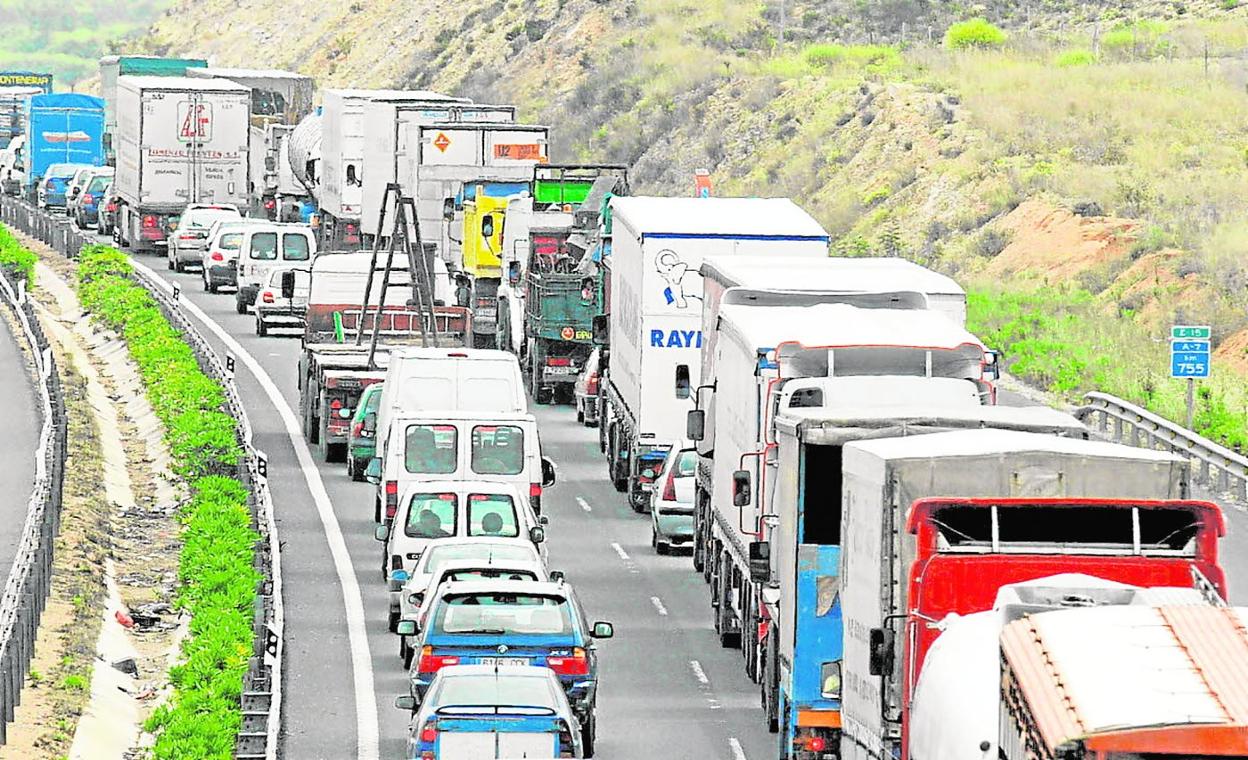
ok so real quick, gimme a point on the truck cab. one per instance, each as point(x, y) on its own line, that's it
point(484, 207)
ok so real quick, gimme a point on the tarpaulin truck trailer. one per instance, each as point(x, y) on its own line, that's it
point(61, 128)
point(391, 144)
point(303, 151)
point(12, 112)
point(881, 481)
point(277, 96)
point(342, 160)
point(179, 141)
point(114, 66)
point(655, 320)
point(765, 354)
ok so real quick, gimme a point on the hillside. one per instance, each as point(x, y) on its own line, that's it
point(1086, 172)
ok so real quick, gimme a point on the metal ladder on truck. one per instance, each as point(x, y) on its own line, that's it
point(406, 236)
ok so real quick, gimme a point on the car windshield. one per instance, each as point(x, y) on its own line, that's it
point(430, 449)
point(436, 555)
point(497, 450)
point(500, 612)
point(431, 515)
point(489, 690)
point(98, 184)
point(295, 247)
point(492, 514)
point(264, 246)
point(204, 217)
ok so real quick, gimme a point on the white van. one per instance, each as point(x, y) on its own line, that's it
point(265, 246)
point(449, 380)
point(501, 448)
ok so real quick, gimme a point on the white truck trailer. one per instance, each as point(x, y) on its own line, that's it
point(282, 97)
point(179, 141)
point(655, 306)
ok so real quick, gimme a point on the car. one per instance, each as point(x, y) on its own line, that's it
point(405, 582)
point(219, 265)
point(414, 603)
point(585, 391)
point(77, 183)
point(190, 237)
point(671, 502)
point(106, 211)
point(54, 187)
point(362, 438)
point(86, 207)
point(274, 307)
point(520, 623)
point(492, 711)
point(266, 245)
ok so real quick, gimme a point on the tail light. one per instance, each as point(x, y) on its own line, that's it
point(392, 498)
point(270, 204)
point(647, 471)
point(669, 489)
point(357, 428)
point(88, 199)
point(216, 256)
point(535, 498)
point(267, 296)
point(558, 361)
point(149, 221)
point(186, 236)
point(575, 665)
point(336, 404)
point(430, 732)
point(111, 207)
point(591, 385)
point(431, 663)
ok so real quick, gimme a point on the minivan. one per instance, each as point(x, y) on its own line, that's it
point(264, 247)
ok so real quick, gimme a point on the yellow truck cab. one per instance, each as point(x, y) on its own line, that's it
point(484, 213)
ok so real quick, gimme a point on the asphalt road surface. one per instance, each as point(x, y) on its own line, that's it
point(668, 689)
point(21, 436)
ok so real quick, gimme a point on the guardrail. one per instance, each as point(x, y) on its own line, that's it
point(1217, 468)
point(262, 686)
point(30, 576)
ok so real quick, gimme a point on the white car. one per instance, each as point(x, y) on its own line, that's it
point(219, 265)
point(671, 501)
point(266, 246)
point(190, 237)
point(444, 550)
point(275, 308)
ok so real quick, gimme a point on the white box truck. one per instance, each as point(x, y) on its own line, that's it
point(655, 310)
point(179, 141)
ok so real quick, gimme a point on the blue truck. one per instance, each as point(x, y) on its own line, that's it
point(61, 128)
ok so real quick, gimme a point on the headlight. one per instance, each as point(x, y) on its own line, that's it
point(830, 680)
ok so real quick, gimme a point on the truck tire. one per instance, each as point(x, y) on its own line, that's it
point(727, 639)
point(699, 527)
point(335, 452)
point(589, 733)
point(769, 683)
point(618, 479)
point(749, 632)
point(239, 305)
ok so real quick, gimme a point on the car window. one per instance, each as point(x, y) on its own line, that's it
point(374, 398)
point(294, 247)
point(431, 515)
point(490, 690)
point(492, 514)
point(230, 241)
point(98, 184)
point(264, 246)
point(430, 449)
point(452, 551)
point(490, 575)
point(494, 611)
point(497, 450)
point(205, 217)
point(686, 463)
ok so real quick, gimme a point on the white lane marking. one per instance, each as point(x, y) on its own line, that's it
point(367, 733)
point(699, 673)
point(658, 605)
point(584, 504)
point(620, 551)
point(735, 747)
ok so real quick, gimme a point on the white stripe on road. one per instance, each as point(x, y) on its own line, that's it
point(699, 673)
point(367, 735)
point(620, 551)
point(584, 504)
point(735, 747)
point(658, 605)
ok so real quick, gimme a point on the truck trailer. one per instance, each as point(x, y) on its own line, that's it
point(12, 112)
point(114, 66)
point(179, 141)
point(655, 312)
point(61, 128)
point(277, 97)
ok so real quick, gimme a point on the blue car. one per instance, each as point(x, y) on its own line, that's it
point(492, 711)
point(514, 623)
point(54, 186)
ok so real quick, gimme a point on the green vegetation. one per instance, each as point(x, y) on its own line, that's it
point(1079, 57)
point(975, 33)
point(216, 574)
point(13, 256)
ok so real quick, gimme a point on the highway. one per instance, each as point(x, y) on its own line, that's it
point(22, 422)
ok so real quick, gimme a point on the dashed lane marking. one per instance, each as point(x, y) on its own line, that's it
point(735, 747)
point(584, 504)
point(620, 551)
point(658, 605)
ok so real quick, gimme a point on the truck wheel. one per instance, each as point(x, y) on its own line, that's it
point(239, 305)
point(699, 547)
point(749, 635)
point(727, 639)
point(769, 685)
point(392, 621)
point(589, 731)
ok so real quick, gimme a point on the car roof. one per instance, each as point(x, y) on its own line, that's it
point(491, 563)
point(539, 588)
point(460, 486)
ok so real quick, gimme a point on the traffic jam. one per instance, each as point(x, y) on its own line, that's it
point(907, 567)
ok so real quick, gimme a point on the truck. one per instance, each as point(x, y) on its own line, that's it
point(303, 152)
point(179, 141)
point(12, 111)
point(342, 176)
point(277, 97)
point(655, 312)
point(114, 66)
point(966, 686)
point(771, 357)
point(277, 193)
point(522, 223)
point(333, 368)
point(61, 128)
point(980, 501)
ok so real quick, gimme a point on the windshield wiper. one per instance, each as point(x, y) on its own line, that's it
point(483, 631)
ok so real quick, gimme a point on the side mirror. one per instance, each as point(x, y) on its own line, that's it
point(370, 422)
point(602, 328)
point(270, 164)
point(992, 365)
point(695, 425)
point(288, 283)
point(448, 209)
point(548, 473)
point(74, 192)
point(537, 534)
point(406, 702)
point(881, 653)
point(557, 576)
point(382, 532)
point(513, 272)
point(406, 628)
point(487, 226)
point(603, 630)
point(543, 520)
point(740, 488)
point(760, 561)
point(373, 473)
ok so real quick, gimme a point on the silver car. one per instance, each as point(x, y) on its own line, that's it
point(219, 265)
point(275, 309)
point(186, 244)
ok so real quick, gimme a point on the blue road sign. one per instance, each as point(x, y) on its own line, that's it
point(1193, 364)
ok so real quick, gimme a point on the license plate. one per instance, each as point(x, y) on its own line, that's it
point(560, 370)
point(502, 660)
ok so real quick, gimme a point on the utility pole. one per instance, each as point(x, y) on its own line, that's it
point(782, 20)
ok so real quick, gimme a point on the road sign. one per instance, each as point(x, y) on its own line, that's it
point(1189, 365)
point(1180, 332)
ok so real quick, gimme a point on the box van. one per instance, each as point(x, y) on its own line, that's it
point(264, 247)
point(460, 446)
point(448, 380)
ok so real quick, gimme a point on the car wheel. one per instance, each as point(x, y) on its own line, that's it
point(580, 416)
point(178, 264)
point(660, 547)
point(408, 655)
point(393, 622)
point(589, 730)
point(204, 279)
point(261, 329)
point(239, 305)
point(169, 262)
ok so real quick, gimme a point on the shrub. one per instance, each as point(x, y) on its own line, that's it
point(1071, 58)
point(875, 58)
point(990, 242)
point(975, 33)
point(16, 258)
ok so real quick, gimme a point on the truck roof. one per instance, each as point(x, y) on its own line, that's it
point(778, 218)
point(361, 94)
point(995, 441)
point(227, 73)
point(832, 425)
point(838, 324)
point(181, 83)
point(834, 274)
point(1111, 669)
